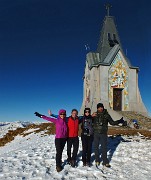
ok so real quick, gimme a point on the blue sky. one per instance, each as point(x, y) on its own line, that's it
point(42, 51)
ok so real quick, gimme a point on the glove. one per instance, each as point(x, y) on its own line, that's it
point(37, 114)
point(121, 121)
point(124, 123)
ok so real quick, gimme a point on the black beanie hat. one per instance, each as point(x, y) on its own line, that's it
point(100, 105)
point(87, 109)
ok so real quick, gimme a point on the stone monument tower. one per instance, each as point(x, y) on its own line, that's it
point(109, 77)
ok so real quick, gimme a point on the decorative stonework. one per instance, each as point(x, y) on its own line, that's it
point(118, 78)
point(109, 77)
point(87, 99)
point(87, 86)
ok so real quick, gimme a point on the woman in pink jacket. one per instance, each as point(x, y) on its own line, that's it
point(61, 134)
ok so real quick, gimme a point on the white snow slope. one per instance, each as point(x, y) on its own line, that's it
point(6, 126)
point(33, 158)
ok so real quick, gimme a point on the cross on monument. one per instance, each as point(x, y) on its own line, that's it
point(108, 6)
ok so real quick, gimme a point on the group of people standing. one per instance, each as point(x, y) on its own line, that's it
point(94, 130)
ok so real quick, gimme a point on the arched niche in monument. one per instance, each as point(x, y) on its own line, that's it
point(118, 84)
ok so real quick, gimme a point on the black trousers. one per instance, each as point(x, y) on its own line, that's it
point(72, 141)
point(59, 143)
point(86, 148)
point(100, 139)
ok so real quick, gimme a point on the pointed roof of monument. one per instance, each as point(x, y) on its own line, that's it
point(108, 43)
point(109, 37)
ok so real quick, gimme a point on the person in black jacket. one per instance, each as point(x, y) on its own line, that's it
point(86, 137)
point(100, 126)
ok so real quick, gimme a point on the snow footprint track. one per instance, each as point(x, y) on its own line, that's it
point(107, 173)
point(80, 173)
point(110, 172)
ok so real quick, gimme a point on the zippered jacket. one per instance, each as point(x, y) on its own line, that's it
point(73, 127)
point(61, 125)
point(101, 120)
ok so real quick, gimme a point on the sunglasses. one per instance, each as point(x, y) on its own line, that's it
point(87, 111)
point(63, 114)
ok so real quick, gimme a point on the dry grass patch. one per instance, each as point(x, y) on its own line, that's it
point(129, 132)
point(47, 128)
point(143, 121)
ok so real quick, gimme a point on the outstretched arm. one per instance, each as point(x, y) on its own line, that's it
point(49, 119)
point(38, 114)
point(53, 115)
point(120, 121)
point(45, 117)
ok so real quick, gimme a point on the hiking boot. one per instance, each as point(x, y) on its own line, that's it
point(107, 165)
point(88, 164)
point(58, 168)
point(84, 164)
point(72, 163)
point(69, 161)
point(97, 163)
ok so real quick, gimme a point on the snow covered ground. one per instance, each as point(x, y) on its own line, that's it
point(33, 158)
point(4, 127)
